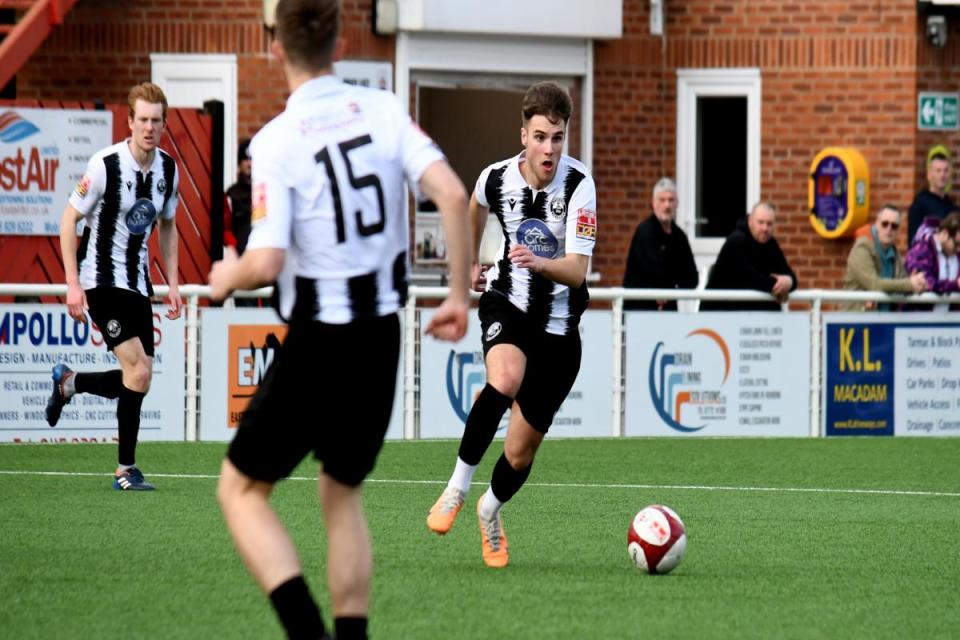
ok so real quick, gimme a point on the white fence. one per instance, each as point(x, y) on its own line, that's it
point(411, 375)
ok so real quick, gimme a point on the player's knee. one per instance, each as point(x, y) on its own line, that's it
point(139, 378)
point(520, 455)
point(507, 381)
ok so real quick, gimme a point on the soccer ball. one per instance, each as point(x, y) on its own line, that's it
point(656, 539)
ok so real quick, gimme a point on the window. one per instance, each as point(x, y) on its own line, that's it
point(718, 154)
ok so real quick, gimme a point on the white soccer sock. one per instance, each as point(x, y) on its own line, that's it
point(489, 505)
point(462, 476)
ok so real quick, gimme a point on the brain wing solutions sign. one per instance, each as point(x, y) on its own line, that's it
point(717, 374)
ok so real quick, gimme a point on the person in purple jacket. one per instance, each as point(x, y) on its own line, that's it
point(934, 252)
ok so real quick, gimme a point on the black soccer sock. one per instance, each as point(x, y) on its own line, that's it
point(482, 424)
point(297, 610)
point(350, 628)
point(506, 480)
point(106, 384)
point(128, 420)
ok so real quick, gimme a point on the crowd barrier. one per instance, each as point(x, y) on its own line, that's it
point(674, 373)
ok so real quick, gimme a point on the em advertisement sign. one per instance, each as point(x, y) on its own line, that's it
point(891, 375)
point(237, 347)
point(43, 154)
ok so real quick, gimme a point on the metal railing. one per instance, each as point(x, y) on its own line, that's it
point(192, 294)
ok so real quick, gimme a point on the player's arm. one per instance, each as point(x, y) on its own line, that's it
point(570, 270)
point(443, 187)
point(254, 269)
point(76, 299)
point(168, 249)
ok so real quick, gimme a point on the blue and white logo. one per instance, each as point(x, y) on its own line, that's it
point(537, 236)
point(466, 377)
point(141, 216)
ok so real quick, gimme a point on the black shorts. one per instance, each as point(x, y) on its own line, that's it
point(553, 361)
point(121, 314)
point(330, 390)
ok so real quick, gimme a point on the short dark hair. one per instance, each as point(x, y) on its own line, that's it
point(547, 99)
point(951, 224)
point(308, 30)
point(243, 150)
point(938, 156)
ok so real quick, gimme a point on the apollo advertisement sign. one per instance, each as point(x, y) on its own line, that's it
point(43, 154)
point(717, 374)
point(237, 346)
point(35, 338)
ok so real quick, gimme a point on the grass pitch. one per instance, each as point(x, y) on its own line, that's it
point(818, 538)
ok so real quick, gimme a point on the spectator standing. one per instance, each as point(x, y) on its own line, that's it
point(660, 256)
point(934, 252)
point(751, 258)
point(933, 200)
point(875, 265)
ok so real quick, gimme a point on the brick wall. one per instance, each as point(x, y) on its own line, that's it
point(104, 47)
point(833, 73)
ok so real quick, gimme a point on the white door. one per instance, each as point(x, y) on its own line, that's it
point(189, 80)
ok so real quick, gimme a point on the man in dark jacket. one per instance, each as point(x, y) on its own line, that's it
point(660, 256)
point(751, 259)
point(934, 200)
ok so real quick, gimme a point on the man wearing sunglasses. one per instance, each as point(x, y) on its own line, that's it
point(874, 264)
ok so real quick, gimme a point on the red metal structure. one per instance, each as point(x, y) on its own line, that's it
point(36, 19)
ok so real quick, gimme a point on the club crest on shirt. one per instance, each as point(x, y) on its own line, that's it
point(258, 202)
point(83, 186)
point(161, 185)
point(140, 216)
point(558, 208)
point(586, 224)
point(536, 236)
point(113, 328)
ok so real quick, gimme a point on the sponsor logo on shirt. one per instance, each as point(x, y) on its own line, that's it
point(140, 216)
point(83, 186)
point(536, 236)
point(259, 202)
point(586, 224)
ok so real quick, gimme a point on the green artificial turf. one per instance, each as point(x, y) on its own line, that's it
point(812, 538)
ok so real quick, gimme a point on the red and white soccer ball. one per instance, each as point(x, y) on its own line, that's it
point(656, 539)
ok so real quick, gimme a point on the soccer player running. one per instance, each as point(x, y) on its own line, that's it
point(535, 294)
point(330, 226)
point(127, 190)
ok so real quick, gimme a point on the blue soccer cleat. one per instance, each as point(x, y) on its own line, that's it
point(131, 480)
point(55, 404)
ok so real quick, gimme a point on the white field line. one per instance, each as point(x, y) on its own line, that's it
point(574, 485)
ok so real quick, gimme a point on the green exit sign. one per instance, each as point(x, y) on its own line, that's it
point(938, 111)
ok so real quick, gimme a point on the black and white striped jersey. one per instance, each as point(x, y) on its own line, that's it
point(328, 188)
point(555, 221)
point(121, 205)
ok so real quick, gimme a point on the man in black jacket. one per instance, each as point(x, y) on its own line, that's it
point(660, 255)
point(934, 200)
point(751, 258)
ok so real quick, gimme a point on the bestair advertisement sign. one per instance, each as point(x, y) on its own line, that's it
point(237, 346)
point(43, 154)
point(34, 338)
point(717, 374)
point(895, 375)
point(452, 376)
